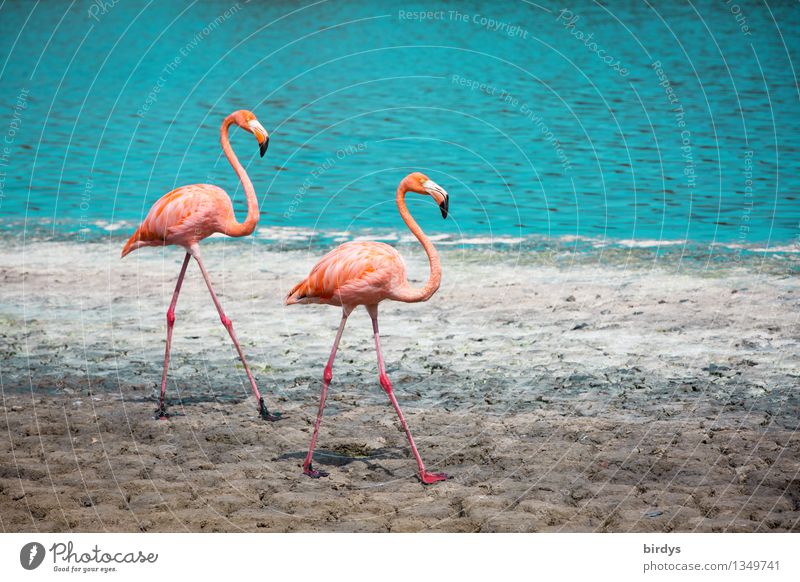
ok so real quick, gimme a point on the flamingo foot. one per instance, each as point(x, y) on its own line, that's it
point(266, 414)
point(313, 473)
point(430, 478)
point(161, 412)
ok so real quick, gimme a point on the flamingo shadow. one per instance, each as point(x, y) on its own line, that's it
point(335, 458)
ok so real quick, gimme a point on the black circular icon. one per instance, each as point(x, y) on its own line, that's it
point(31, 555)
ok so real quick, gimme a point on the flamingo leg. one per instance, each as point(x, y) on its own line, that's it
point(262, 407)
point(327, 376)
point(161, 413)
point(386, 384)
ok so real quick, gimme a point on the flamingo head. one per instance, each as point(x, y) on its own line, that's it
point(247, 121)
point(421, 184)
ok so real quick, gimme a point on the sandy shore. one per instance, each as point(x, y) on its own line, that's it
point(560, 397)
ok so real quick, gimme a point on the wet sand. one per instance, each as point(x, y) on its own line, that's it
point(567, 395)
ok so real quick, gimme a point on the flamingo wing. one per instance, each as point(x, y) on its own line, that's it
point(355, 273)
point(183, 216)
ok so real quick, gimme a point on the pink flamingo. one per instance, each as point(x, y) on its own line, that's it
point(366, 273)
point(189, 214)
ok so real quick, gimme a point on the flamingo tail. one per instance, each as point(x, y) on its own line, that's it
point(298, 293)
point(133, 243)
point(141, 238)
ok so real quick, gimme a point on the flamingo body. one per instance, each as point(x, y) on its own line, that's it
point(184, 217)
point(355, 273)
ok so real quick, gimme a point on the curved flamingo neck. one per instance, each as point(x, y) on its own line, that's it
point(410, 294)
point(234, 228)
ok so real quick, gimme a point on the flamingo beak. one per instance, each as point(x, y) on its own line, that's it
point(444, 206)
point(261, 135)
point(439, 194)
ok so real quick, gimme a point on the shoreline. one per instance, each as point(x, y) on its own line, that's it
point(282, 239)
point(572, 396)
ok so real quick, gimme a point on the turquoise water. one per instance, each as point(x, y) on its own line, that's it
point(635, 124)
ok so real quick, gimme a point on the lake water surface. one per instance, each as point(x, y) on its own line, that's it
point(641, 124)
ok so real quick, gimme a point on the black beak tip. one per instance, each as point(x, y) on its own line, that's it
point(444, 207)
point(263, 147)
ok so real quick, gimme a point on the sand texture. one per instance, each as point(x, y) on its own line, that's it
point(577, 396)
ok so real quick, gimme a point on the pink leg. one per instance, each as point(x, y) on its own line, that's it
point(162, 409)
point(425, 477)
point(262, 407)
point(327, 376)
